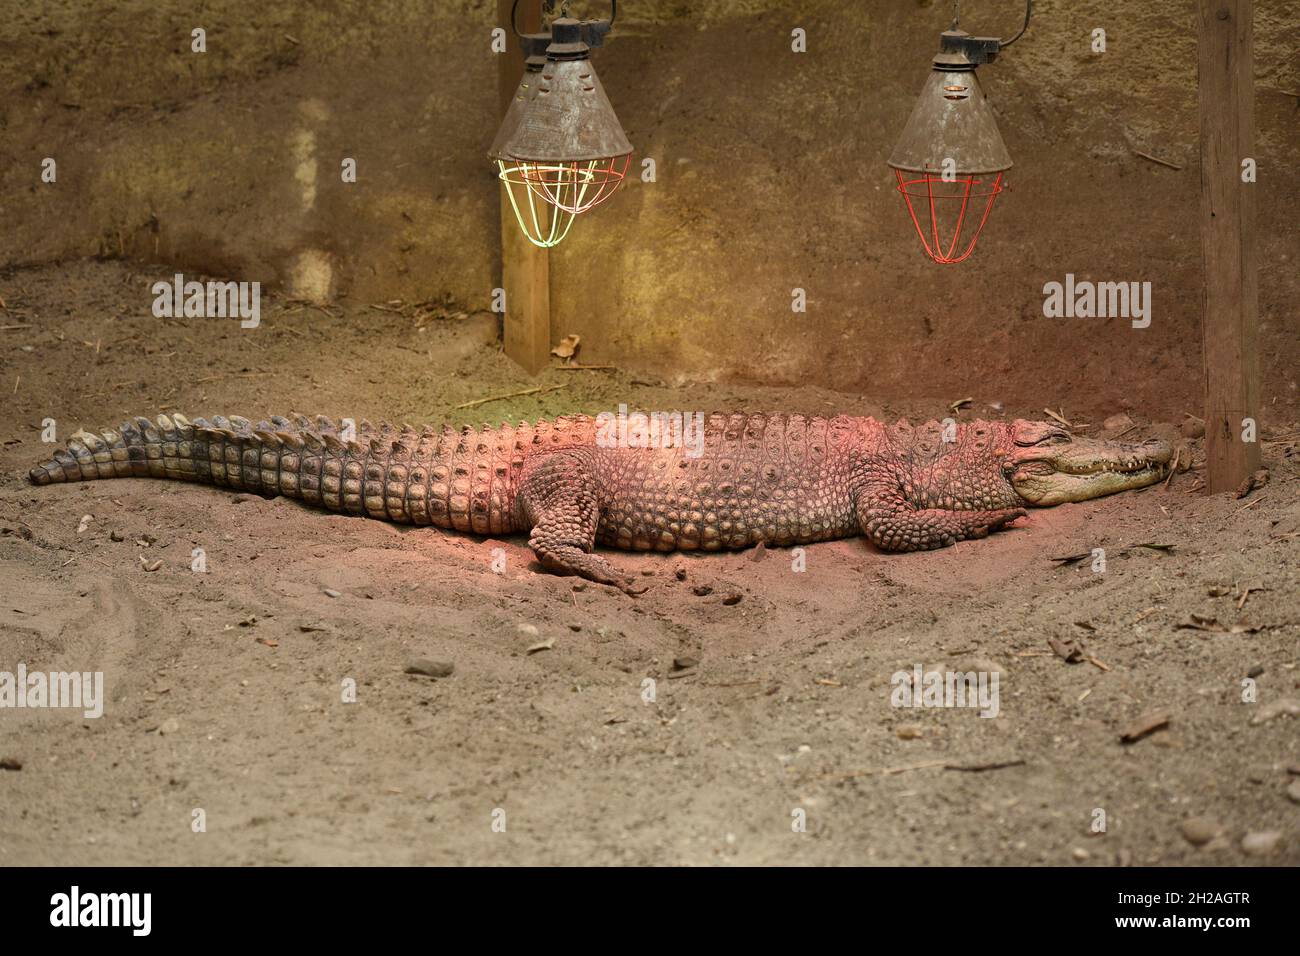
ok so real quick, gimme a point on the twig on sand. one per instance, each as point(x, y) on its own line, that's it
point(1251, 505)
point(884, 771)
point(928, 764)
point(1059, 418)
point(981, 767)
point(1157, 159)
point(1173, 468)
point(571, 368)
point(218, 378)
point(527, 391)
point(1246, 592)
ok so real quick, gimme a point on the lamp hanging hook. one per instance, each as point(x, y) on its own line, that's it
point(548, 6)
point(1029, 9)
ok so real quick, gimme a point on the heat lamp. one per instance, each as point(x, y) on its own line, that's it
point(950, 160)
point(560, 150)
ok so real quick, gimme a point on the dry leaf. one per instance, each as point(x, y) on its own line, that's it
point(1146, 724)
point(567, 347)
point(1068, 651)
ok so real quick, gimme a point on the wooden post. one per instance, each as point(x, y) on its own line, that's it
point(1230, 317)
point(525, 268)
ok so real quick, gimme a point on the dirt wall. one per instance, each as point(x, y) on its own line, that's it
point(771, 176)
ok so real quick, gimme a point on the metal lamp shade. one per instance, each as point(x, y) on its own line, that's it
point(569, 119)
point(515, 113)
point(560, 150)
point(952, 120)
point(570, 147)
point(542, 225)
point(950, 160)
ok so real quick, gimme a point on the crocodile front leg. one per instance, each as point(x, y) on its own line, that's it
point(559, 500)
point(893, 524)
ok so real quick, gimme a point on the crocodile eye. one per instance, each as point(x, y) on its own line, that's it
point(1056, 437)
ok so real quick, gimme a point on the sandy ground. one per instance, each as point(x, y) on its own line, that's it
point(219, 699)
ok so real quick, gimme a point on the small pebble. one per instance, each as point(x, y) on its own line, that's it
point(1192, 428)
point(169, 726)
point(681, 663)
point(700, 590)
point(1080, 854)
point(529, 629)
point(1199, 831)
point(731, 599)
point(428, 668)
point(330, 592)
point(1261, 843)
point(908, 731)
point(1276, 708)
point(116, 535)
point(1293, 791)
point(10, 763)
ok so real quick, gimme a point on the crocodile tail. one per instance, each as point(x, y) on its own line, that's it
point(452, 479)
point(231, 452)
point(138, 447)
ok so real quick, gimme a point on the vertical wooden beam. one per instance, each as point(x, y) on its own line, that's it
point(1230, 317)
point(525, 268)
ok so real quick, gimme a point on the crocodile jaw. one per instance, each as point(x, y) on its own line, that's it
point(1085, 468)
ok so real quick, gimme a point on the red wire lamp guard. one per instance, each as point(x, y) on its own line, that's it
point(560, 150)
point(950, 160)
point(934, 193)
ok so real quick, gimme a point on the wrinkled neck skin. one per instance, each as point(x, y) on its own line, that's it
point(965, 473)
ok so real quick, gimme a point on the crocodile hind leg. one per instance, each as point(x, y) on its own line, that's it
point(559, 500)
point(893, 525)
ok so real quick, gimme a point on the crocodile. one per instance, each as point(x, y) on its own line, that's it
point(774, 479)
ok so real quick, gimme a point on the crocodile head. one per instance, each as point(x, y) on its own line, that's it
point(1047, 465)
